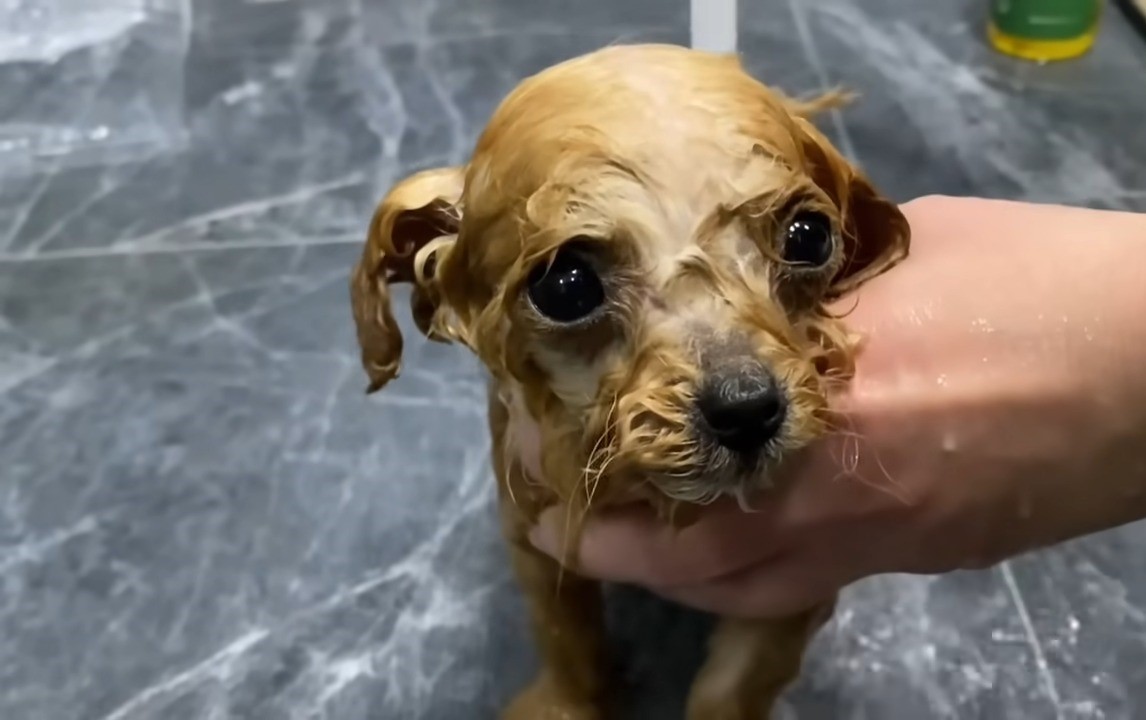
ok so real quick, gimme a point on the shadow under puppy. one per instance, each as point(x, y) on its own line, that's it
point(641, 251)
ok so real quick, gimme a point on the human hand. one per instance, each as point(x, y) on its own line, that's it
point(996, 407)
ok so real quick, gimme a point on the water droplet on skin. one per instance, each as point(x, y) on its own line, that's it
point(1001, 636)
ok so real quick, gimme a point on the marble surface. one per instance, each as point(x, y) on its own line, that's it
point(202, 516)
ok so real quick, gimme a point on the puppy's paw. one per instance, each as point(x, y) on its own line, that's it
point(542, 701)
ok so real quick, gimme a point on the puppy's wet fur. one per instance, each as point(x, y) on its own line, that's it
point(685, 352)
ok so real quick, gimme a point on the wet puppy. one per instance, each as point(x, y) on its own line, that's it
point(641, 251)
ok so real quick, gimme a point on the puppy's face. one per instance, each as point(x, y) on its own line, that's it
point(640, 251)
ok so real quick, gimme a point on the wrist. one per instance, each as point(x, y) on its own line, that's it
point(1088, 348)
point(1002, 384)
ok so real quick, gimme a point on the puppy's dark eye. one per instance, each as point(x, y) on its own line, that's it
point(809, 240)
point(567, 289)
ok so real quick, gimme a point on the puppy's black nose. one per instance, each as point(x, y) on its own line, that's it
point(744, 411)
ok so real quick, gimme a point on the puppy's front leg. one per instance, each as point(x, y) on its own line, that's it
point(566, 611)
point(750, 662)
point(568, 625)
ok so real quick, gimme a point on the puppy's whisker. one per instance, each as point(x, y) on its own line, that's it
point(742, 499)
point(591, 489)
point(598, 472)
point(514, 467)
point(597, 450)
point(571, 538)
point(598, 461)
point(890, 490)
point(849, 464)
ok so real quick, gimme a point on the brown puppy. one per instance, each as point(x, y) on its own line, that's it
point(640, 251)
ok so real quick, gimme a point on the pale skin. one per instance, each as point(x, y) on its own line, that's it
point(999, 405)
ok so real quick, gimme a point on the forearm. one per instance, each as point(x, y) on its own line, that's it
point(1102, 307)
point(1055, 367)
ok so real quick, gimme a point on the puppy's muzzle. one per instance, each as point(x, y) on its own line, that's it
point(744, 409)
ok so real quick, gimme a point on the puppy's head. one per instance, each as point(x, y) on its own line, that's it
point(640, 250)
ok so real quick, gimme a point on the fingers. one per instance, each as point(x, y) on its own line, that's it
point(634, 546)
point(726, 563)
point(784, 586)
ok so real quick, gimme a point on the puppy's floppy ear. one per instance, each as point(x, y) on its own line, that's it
point(417, 220)
point(875, 233)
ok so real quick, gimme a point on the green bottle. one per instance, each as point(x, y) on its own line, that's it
point(1044, 30)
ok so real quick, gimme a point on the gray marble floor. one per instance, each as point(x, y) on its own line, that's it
point(202, 516)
